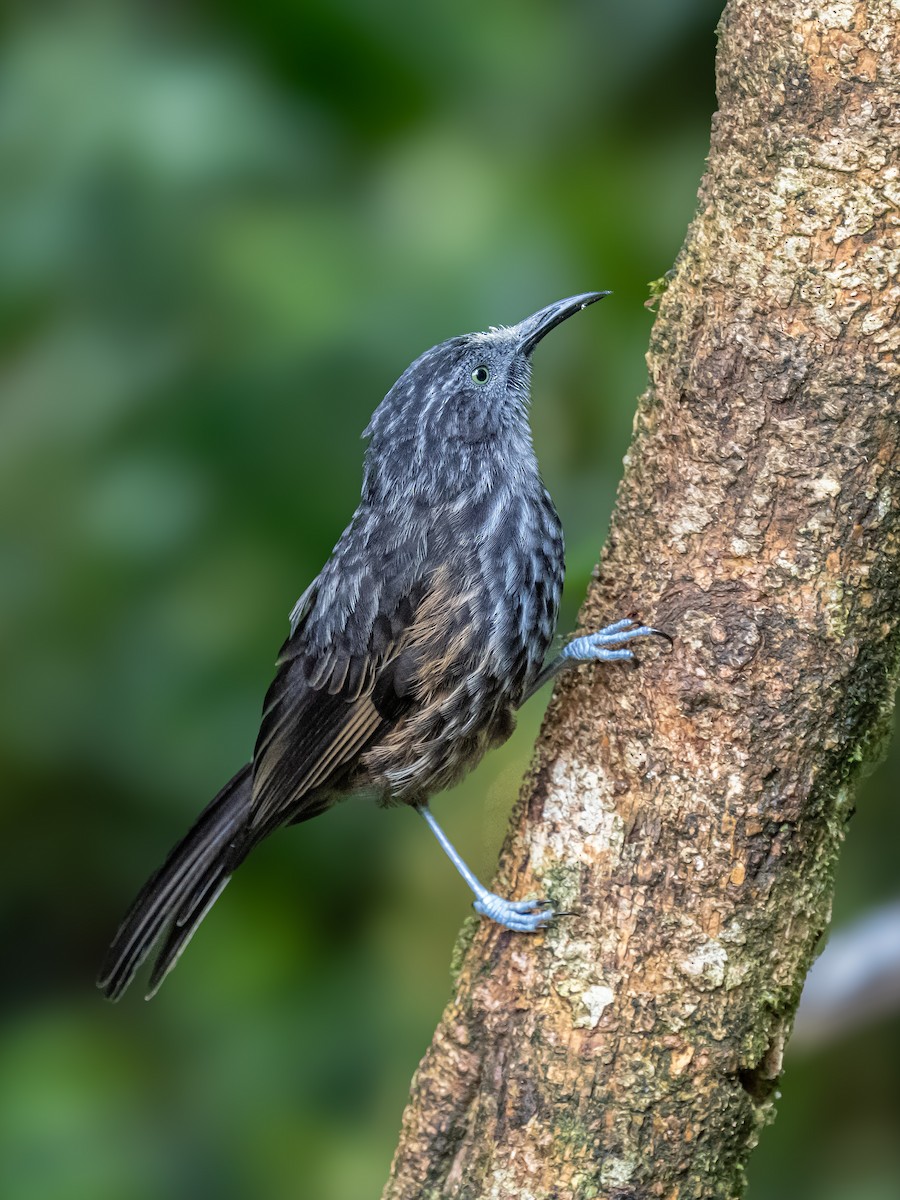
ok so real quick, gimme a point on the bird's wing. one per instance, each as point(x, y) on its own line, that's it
point(339, 684)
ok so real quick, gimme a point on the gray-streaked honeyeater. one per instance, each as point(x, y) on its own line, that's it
point(410, 652)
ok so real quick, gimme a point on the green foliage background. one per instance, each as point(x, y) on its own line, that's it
point(225, 228)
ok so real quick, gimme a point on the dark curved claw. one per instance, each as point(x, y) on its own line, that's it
point(661, 633)
point(636, 618)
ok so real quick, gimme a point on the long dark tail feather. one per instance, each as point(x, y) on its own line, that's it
point(182, 891)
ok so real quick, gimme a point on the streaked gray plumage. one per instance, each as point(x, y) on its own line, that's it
point(421, 636)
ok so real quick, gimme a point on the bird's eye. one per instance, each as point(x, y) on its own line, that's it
point(481, 374)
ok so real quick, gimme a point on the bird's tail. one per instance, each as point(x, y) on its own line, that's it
point(182, 891)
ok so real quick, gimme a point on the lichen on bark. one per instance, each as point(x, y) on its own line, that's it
point(692, 812)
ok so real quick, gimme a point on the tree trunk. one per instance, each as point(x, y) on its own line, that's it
point(691, 812)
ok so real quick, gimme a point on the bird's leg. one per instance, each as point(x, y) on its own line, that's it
point(607, 645)
point(524, 916)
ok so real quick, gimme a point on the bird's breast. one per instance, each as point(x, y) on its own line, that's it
point(479, 637)
point(523, 566)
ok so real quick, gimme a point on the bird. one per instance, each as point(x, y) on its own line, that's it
point(411, 651)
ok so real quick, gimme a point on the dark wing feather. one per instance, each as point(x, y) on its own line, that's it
point(330, 699)
point(308, 739)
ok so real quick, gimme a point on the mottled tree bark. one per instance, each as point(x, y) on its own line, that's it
point(692, 811)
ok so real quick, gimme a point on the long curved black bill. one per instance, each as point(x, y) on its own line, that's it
point(533, 328)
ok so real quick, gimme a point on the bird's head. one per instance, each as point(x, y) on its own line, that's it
point(470, 390)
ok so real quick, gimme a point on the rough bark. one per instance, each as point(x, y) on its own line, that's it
point(692, 811)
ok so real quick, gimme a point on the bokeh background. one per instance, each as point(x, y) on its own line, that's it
point(225, 228)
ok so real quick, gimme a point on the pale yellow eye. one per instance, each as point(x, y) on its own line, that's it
point(481, 374)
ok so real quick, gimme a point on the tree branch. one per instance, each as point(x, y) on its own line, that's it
point(856, 979)
point(692, 812)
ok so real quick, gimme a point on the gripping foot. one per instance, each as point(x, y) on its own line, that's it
point(610, 644)
point(522, 916)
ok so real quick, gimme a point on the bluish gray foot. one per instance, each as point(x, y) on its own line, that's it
point(523, 916)
point(610, 644)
